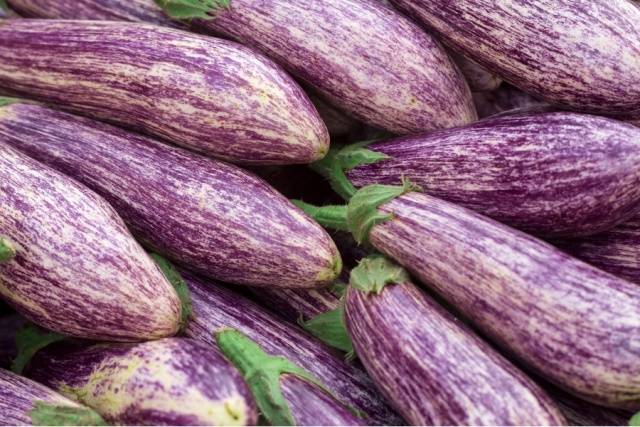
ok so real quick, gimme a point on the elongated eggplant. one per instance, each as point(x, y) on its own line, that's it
point(434, 369)
point(25, 402)
point(580, 55)
point(296, 304)
point(77, 269)
point(616, 251)
point(211, 216)
point(210, 95)
point(110, 10)
point(551, 174)
point(174, 381)
point(216, 308)
point(403, 82)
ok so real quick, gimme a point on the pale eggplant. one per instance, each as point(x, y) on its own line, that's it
point(95, 10)
point(573, 324)
point(25, 402)
point(216, 308)
point(199, 212)
point(206, 94)
point(433, 368)
point(550, 174)
point(616, 251)
point(174, 381)
point(582, 55)
point(77, 270)
point(403, 82)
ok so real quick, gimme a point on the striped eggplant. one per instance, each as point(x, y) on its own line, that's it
point(211, 216)
point(433, 368)
point(296, 304)
point(582, 55)
point(109, 10)
point(503, 99)
point(616, 251)
point(9, 326)
point(174, 381)
point(216, 308)
point(210, 95)
point(77, 269)
point(403, 82)
point(479, 79)
point(25, 402)
point(551, 174)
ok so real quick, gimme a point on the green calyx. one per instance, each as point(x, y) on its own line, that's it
point(4, 101)
point(29, 340)
point(375, 272)
point(262, 373)
point(7, 250)
point(190, 9)
point(179, 285)
point(44, 414)
point(330, 328)
point(635, 420)
point(342, 159)
point(334, 217)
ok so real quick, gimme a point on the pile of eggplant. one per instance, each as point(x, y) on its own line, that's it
point(328, 212)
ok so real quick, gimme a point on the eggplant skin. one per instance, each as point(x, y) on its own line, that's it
point(213, 217)
point(403, 82)
point(616, 251)
point(18, 397)
point(174, 381)
point(579, 54)
point(573, 324)
point(206, 94)
point(296, 304)
point(437, 371)
point(550, 174)
point(216, 308)
point(77, 270)
point(95, 10)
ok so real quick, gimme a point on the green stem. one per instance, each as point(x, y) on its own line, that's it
point(330, 328)
point(7, 249)
point(334, 217)
point(190, 9)
point(179, 285)
point(29, 340)
point(375, 272)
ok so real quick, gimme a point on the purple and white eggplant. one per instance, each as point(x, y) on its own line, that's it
point(571, 323)
point(433, 368)
point(210, 95)
point(297, 304)
point(616, 251)
point(77, 270)
point(551, 174)
point(199, 212)
point(174, 381)
point(403, 82)
point(216, 308)
point(25, 402)
point(582, 55)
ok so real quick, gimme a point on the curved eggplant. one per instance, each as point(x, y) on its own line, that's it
point(581, 55)
point(206, 94)
point(174, 381)
point(211, 216)
point(77, 269)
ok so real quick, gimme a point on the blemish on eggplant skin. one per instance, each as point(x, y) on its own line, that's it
point(231, 411)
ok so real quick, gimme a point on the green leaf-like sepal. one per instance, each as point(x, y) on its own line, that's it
point(262, 373)
point(635, 420)
point(333, 217)
point(363, 213)
point(190, 9)
point(375, 272)
point(29, 340)
point(7, 250)
point(4, 101)
point(342, 159)
point(44, 414)
point(330, 328)
point(179, 285)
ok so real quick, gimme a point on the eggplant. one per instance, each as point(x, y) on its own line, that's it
point(503, 99)
point(403, 82)
point(201, 213)
point(433, 368)
point(25, 402)
point(297, 304)
point(173, 381)
point(551, 174)
point(110, 10)
point(582, 56)
point(77, 269)
point(479, 79)
point(206, 94)
point(616, 251)
point(216, 308)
